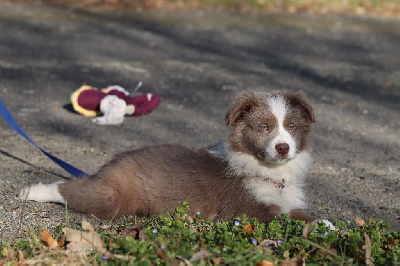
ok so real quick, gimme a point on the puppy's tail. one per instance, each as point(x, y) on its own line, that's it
point(92, 196)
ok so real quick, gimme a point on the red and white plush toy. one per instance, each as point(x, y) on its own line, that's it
point(113, 102)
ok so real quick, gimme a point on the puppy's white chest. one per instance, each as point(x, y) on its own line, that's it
point(287, 197)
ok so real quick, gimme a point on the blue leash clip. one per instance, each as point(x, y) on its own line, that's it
point(67, 167)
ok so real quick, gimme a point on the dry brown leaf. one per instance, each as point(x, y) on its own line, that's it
point(87, 226)
point(124, 257)
point(45, 236)
point(265, 263)
point(306, 230)
point(292, 262)
point(84, 241)
point(368, 248)
point(248, 228)
point(160, 253)
point(62, 242)
point(20, 256)
point(10, 254)
point(71, 256)
point(359, 221)
point(189, 219)
point(68, 258)
point(184, 261)
point(328, 250)
point(135, 231)
point(200, 255)
point(31, 262)
point(217, 261)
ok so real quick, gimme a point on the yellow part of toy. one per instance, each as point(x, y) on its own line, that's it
point(77, 107)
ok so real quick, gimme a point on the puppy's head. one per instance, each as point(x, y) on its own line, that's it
point(272, 127)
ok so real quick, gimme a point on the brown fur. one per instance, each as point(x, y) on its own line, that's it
point(250, 111)
point(304, 118)
point(153, 180)
point(172, 174)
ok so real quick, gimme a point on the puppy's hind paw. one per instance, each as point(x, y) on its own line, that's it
point(24, 193)
point(42, 193)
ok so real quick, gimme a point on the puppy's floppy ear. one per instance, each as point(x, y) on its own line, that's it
point(242, 106)
point(299, 99)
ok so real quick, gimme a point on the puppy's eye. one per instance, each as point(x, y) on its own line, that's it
point(291, 127)
point(264, 128)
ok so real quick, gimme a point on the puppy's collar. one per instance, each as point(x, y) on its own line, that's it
point(280, 185)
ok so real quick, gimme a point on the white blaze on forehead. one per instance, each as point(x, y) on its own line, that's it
point(280, 109)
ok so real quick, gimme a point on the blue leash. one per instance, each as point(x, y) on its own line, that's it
point(67, 167)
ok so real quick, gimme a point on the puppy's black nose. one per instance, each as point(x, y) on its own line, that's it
point(282, 148)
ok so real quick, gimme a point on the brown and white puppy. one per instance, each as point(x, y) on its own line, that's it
point(259, 170)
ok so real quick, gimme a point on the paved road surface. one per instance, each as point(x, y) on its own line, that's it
point(197, 62)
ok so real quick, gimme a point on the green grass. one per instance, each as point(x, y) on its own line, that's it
point(170, 239)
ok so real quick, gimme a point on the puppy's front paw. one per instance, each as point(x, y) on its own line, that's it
point(327, 223)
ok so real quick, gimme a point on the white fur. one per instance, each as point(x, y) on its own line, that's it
point(328, 224)
point(257, 172)
point(42, 193)
point(279, 108)
point(240, 164)
point(291, 197)
point(263, 190)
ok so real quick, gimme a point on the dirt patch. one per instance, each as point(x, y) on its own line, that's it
point(197, 62)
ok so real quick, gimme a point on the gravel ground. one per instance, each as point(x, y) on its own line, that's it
point(197, 62)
